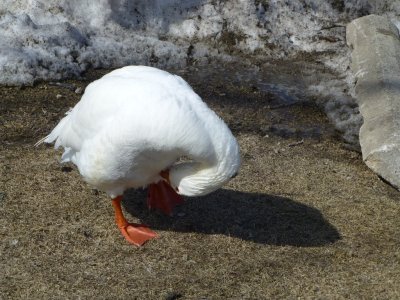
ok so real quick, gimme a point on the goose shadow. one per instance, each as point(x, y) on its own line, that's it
point(260, 218)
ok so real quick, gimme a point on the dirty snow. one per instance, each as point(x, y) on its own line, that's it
point(58, 38)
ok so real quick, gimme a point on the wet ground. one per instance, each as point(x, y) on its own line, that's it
point(305, 218)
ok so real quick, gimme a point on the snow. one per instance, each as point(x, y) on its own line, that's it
point(56, 39)
point(59, 39)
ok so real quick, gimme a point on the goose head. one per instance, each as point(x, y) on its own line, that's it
point(198, 178)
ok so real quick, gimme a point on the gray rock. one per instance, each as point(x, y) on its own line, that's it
point(375, 44)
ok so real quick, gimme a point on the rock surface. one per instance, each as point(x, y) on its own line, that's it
point(376, 64)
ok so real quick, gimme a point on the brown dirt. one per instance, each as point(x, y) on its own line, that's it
point(305, 218)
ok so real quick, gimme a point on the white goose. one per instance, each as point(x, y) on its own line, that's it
point(128, 131)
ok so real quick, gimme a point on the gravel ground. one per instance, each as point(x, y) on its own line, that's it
point(305, 218)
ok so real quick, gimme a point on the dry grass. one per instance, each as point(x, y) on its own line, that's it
point(302, 220)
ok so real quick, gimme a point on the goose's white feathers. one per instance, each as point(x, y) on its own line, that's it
point(137, 121)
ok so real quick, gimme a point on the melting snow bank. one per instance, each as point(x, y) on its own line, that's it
point(56, 39)
point(30, 51)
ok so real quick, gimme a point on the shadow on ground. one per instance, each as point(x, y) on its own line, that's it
point(260, 218)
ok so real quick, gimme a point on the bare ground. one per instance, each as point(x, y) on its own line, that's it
point(305, 218)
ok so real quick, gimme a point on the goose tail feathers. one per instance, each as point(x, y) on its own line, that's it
point(54, 135)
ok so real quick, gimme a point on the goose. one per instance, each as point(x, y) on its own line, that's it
point(130, 129)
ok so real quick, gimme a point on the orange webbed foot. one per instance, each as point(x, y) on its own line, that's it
point(137, 234)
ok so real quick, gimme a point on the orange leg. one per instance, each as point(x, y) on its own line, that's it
point(163, 197)
point(135, 234)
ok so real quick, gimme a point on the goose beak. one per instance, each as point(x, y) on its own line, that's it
point(165, 174)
